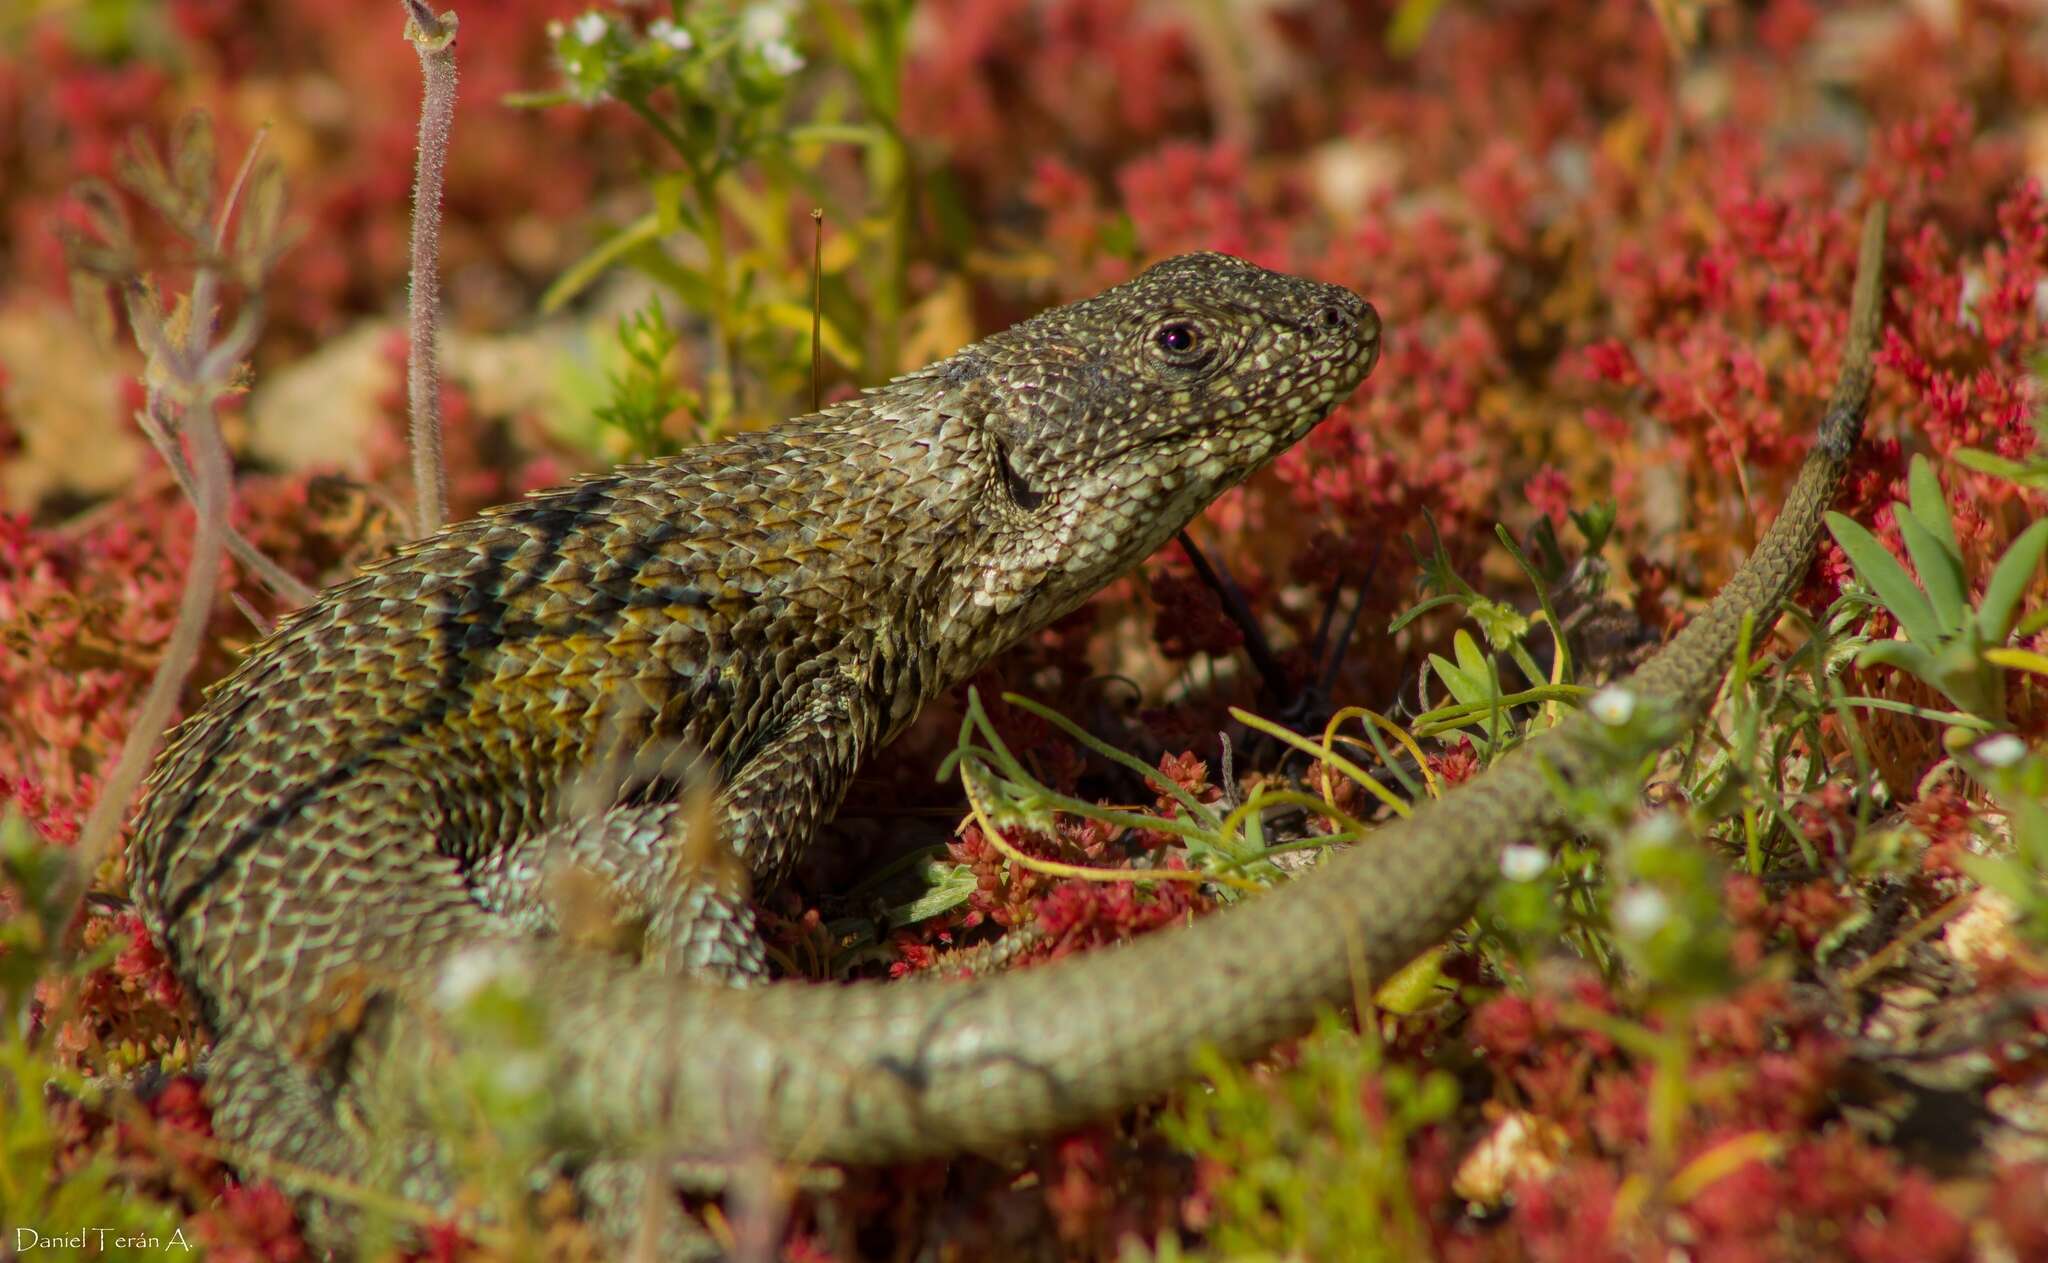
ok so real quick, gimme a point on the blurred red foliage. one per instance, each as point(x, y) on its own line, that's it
point(1605, 271)
point(339, 90)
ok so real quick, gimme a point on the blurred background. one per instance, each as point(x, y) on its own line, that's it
point(1611, 241)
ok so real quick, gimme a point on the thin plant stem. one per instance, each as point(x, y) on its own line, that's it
point(234, 197)
point(212, 472)
point(817, 305)
point(212, 365)
point(1057, 868)
point(1256, 647)
point(725, 367)
point(273, 576)
point(434, 39)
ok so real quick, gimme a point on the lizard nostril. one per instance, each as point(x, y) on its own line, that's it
point(1332, 319)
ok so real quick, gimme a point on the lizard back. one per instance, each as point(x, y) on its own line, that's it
point(837, 571)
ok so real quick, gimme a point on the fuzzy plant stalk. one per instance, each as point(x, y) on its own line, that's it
point(155, 421)
point(199, 372)
point(434, 39)
point(158, 424)
point(192, 358)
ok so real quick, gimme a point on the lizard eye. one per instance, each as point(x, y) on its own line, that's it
point(1182, 343)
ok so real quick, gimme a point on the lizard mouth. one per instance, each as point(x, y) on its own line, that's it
point(1369, 334)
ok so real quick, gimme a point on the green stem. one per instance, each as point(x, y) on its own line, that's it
point(724, 395)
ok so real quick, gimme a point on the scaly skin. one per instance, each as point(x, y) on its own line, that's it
point(310, 833)
point(402, 769)
point(879, 1073)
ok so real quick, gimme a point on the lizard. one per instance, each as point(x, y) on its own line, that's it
point(370, 804)
point(401, 768)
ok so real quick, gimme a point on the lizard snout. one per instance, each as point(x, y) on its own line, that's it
point(1348, 316)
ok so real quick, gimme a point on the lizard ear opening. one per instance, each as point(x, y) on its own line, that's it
point(1021, 493)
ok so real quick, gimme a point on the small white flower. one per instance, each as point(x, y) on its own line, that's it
point(1657, 830)
point(468, 973)
point(1966, 303)
point(2002, 750)
point(665, 31)
point(1641, 911)
point(764, 24)
point(1613, 706)
point(591, 27)
point(1523, 863)
point(781, 58)
point(522, 1073)
point(1521, 1146)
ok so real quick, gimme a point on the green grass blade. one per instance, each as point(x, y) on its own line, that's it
point(1952, 718)
point(2034, 476)
point(1152, 775)
point(1940, 568)
point(1462, 687)
point(581, 274)
point(1886, 577)
point(2008, 583)
point(1930, 506)
point(1910, 658)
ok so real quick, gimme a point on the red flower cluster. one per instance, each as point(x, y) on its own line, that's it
point(340, 91)
point(252, 1223)
point(1606, 272)
point(85, 612)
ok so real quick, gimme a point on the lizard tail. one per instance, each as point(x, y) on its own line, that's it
point(876, 1072)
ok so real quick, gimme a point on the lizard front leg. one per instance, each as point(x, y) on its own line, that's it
point(692, 893)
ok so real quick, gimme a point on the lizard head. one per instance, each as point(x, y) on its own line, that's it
point(1110, 423)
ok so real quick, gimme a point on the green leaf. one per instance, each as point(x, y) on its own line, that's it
point(2022, 796)
point(1953, 718)
point(2009, 877)
point(672, 208)
point(1543, 536)
point(1457, 715)
point(950, 886)
point(796, 318)
point(1416, 611)
point(581, 274)
point(1437, 572)
point(1596, 523)
point(1541, 582)
point(1472, 680)
point(1145, 771)
point(1904, 655)
point(861, 134)
point(1470, 660)
point(1415, 986)
point(536, 100)
point(1502, 624)
point(2034, 476)
point(1462, 687)
point(1411, 21)
point(2008, 583)
point(2018, 660)
point(1886, 577)
point(1940, 566)
point(1930, 506)
point(688, 284)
